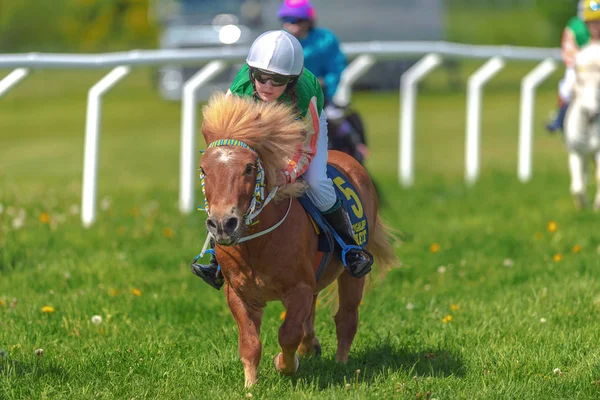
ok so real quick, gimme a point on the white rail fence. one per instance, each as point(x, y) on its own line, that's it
point(365, 55)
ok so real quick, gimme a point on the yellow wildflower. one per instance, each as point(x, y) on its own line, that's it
point(557, 257)
point(446, 319)
point(454, 307)
point(576, 249)
point(44, 218)
point(48, 309)
point(282, 315)
point(434, 248)
point(113, 292)
point(168, 233)
point(552, 226)
point(136, 292)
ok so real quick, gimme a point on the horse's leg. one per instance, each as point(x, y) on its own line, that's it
point(298, 305)
point(597, 198)
point(577, 168)
point(310, 344)
point(346, 320)
point(248, 321)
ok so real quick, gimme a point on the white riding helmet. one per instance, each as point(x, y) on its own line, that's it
point(278, 52)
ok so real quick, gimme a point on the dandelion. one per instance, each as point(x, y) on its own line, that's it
point(136, 292)
point(447, 318)
point(543, 320)
point(2, 302)
point(552, 226)
point(557, 257)
point(39, 352)
point(434, 248)
point(168, 233)
point(508, 262)
point(48, 309)
point(18, 223)
point(282, 316)
point(362, 303)
point(557, 371)
point(105, 203)
point(410, 306)
point(454, 307)
point(113, 292)
point(539, 236)
point(96, 320)
point(74, 209)
point(44, 218)
point(441, 269)
point(576, 249)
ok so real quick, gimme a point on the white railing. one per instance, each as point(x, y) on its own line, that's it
point(365, 56)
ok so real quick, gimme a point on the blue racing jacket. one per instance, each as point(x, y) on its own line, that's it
point(324, 58)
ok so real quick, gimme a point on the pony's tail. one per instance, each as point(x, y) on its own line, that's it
point(380, 245)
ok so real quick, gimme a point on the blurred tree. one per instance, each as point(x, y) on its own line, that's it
point(557, 13)
point(75, 25)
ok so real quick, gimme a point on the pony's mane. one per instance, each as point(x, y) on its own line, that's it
point(270, 128)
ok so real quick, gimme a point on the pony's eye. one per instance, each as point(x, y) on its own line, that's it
point(249, 170)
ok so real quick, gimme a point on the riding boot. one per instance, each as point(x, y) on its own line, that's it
point(210, 273)
point(558, 123)
point(358, 264)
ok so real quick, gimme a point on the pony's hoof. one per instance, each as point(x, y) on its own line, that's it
point(284, 372)
point(580, 201)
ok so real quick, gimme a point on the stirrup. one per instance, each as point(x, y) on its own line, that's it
point(215, 279)
point(366, 253)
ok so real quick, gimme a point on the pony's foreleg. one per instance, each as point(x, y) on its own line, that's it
point(298, 304)
point(597, 198)
point(310, 344)
point(577, 169)
point(346, 319)
point(248, 321)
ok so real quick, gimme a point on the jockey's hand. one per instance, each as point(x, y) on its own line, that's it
point(363, 150)
point(280, 179)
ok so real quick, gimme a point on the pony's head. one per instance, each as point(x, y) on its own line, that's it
point(248, 142)
point(587, 87)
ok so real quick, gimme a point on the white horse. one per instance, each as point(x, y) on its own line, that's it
point(582, 124)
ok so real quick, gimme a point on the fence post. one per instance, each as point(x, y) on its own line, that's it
point(188, 132)
point(528, 85)
point(10, 80)
point(472, 144)
point(92, 136)
point(408, 98)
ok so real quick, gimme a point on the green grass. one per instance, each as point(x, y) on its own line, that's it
point(178, 340)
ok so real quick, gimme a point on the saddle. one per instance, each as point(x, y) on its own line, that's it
point(327, 237)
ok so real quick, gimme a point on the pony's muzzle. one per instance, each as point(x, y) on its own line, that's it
point(224, 229)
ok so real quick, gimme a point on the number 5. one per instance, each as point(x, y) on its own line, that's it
point(350, 195)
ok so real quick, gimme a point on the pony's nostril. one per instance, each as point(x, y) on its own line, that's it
point(211, 225)
point(230, 224)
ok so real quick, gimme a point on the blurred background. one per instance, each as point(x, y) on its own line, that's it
point(111, 25)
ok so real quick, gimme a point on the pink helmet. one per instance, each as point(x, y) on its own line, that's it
point(301, 9)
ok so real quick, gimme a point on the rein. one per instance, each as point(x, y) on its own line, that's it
point(258, 202)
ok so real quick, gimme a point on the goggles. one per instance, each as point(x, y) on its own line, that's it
point(276, 79)
point(292, 20)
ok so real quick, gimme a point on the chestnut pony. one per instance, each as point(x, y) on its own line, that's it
point(278, 265)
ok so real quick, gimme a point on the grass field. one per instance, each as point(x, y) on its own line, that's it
point(497, 297)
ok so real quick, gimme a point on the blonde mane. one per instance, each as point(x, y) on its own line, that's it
point(270, 128)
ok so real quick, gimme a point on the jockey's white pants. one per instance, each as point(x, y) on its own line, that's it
point(321, 191)
point(565, 87)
